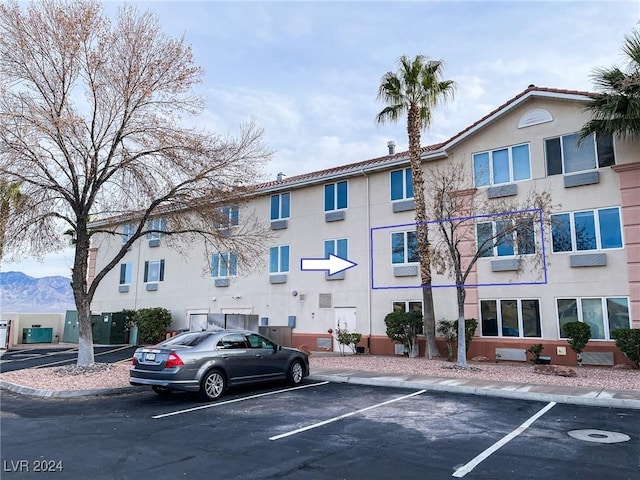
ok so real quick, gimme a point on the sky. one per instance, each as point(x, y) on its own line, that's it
point(308, 71)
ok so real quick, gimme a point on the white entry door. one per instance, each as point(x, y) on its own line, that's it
point(344, 318)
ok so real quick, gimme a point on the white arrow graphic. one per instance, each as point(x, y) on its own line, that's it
point(332, 264)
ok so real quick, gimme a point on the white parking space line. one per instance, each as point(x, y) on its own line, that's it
point(33, 354)
point(346, 415)
point(463, 470)
point(218, 404)
point(71, 359)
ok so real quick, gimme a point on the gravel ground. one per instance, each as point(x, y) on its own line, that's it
point(102, 375)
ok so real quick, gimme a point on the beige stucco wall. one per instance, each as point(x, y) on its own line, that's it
point(20, 321)
point(187, 285)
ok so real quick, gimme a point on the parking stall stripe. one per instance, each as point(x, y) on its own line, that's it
point(34, 354)
point(463, 470)
point(73, 360)
point(335, 419)
point(217, 404)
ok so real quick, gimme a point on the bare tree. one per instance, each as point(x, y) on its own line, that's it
point(90, 125)
point(470, 227)
point(11, 200)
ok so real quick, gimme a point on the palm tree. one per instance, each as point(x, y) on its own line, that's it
point(10, 199)
point(615, 110)
point(415, 89)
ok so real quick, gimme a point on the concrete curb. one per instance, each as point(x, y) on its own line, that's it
point(587, 397)
point(34, 392)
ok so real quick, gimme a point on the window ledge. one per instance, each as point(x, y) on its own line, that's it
point(578, 179)
point(405, 271)
point(335, 276)
point(334, 216)
point(404, 206)
point(221, 282)
point(154, 242)
point(588, 260)
point(150, 287)
point(123, 288)
point(279, 224)
point(500, 191)
point(505, 265)
point(275, 279)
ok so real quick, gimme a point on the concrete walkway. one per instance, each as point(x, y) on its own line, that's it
point(522, 391)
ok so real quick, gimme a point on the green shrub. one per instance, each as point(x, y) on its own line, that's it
point(449, 330)
point(152, 324)
point(535, 350)
point(403, 327)
point(470, 325)
point(628, 341)
point(577, 334)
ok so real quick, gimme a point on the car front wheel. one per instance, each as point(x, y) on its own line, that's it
point(296, 373)
point(212, 386)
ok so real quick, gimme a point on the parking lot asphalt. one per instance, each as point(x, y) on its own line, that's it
point(317, 431)
point(40, 357)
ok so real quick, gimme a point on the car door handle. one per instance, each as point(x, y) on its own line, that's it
point(258, 355)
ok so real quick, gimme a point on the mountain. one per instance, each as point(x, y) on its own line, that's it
point(24, 294)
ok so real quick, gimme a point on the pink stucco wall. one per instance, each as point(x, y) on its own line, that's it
point(629, 177)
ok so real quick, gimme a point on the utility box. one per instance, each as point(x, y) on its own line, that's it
point(37, 335)
point(71, 334)
point(109, 328)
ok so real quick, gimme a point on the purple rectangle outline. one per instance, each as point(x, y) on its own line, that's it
point(488, 215)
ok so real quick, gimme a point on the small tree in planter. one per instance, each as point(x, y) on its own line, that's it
point(351, 339)
point(577, 334)
point(403, 327)
point(449, 330)
point(628, 341)
point(536, 350)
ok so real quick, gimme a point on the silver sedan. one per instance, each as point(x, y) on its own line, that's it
point(210, 362)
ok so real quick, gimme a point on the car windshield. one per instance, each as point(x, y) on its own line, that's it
point(188, 339)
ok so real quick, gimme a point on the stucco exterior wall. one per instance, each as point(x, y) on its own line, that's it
point(373, 286)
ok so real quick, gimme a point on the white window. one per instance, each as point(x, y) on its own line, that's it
point(128, 229)
point(404, 248)
point(401, 184)
point(224, 265)
point(602, 314)
point(280, 206)
point(565, 154)
point(126, 273)
point(587, 230)
point(502, 239)
point(228, 216)
point(338, 247)
point(158, 225)
point(510, 318)
point(505, 165)
point(279, 259)
point(336, 196)
point(154, 271)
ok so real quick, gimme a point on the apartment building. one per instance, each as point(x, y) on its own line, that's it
point(364, 212)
